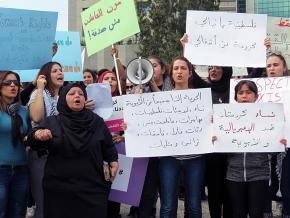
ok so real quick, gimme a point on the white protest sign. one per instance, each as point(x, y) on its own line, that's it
point(115, 120)
point(269, 88)
point(44, 5)
point(168, 123)
point(286, 100)
point(100, 93)
point(278, 30)
point(248, 127)
point(222, 39)
point(123, 175)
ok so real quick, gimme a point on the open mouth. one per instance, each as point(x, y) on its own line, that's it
point(77, 101)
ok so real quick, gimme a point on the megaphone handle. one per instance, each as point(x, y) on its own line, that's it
point(140, 71)
point(117, 72)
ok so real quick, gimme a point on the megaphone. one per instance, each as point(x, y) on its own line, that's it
point(139, 71)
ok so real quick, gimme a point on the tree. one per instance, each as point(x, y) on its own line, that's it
point(162, 24)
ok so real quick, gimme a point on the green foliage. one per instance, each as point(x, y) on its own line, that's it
point(163, 24)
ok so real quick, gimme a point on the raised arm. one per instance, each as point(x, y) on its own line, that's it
point(36, 108)
point(121, 70)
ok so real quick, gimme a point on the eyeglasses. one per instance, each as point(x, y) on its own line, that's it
point(213, 67)
point(129, 87)
point(9, 82)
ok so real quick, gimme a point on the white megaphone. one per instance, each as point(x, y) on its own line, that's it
point(139, 71)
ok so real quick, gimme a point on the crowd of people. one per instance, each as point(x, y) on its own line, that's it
point(53, 148)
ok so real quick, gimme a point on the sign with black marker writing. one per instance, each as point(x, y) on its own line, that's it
point(168, 123)
point(226, 39)
point(248, 127)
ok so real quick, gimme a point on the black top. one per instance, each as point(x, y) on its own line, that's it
point(81, 142)
point(26, 92)
point(82, 172)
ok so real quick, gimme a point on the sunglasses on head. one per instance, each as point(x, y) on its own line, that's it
point(9, 82)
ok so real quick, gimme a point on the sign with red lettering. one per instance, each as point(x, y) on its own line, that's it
point(269, 88)
point(248, 127)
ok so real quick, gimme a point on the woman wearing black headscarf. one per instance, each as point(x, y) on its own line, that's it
point(78, 142)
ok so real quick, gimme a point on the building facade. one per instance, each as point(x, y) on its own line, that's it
point(275, 8)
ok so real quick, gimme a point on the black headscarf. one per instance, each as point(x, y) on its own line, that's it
point(223, 84)
point(77, 127)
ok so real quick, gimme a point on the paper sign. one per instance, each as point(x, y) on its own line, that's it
point(123, 175)
point(278, 30)
point(26, 37)
point(168, 123)
point(269, 88)
point(69, 55)
point(107, 22)
point(114, 122)
point(248, 127)
point(222, 39)
point(136, 181)
point(102, 98)
point(61, 7)
point(286, 100)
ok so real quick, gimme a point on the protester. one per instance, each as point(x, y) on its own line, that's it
point(159, 82)
point(110, 77)
point(277, 67)
point(192, 166)
point(42, 104)
point(89, 76)
point(78, 142)
point(14, 127)
point(248, 174)
point(216, 163)
point(129, 87)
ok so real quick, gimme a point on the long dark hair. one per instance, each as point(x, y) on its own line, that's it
point(3, 75)
point(93, 73)
point(194, 81)
point(46, 71)
point(162, 64)
point(12, 109)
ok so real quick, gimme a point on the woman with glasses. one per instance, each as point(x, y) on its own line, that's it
point(14, 126)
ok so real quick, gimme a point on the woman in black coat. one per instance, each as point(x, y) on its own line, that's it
point(78, 142)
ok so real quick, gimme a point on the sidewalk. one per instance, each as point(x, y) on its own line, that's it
point(180, 212)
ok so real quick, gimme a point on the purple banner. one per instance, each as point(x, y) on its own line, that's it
point(136, 181)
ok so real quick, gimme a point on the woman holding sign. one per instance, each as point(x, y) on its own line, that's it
point(192, 166)
point(216, 164)
point(248, 174)
point(277, 67)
